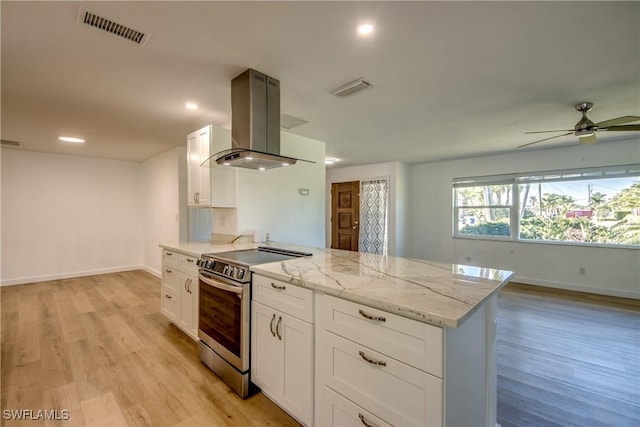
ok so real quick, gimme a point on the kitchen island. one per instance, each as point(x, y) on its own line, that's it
point(363, 339)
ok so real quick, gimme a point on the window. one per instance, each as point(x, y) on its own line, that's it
point(484, 210)
point(599, 206)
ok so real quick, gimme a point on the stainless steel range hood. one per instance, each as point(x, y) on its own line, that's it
point(255, 124)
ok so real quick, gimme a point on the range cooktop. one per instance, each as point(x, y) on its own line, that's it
point(260, 255)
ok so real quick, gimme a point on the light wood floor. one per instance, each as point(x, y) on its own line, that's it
point(99, 347)
point(567, 359)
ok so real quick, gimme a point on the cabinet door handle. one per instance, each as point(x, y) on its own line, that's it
point(190, 283)
point(186, 282)
point(279, 287)
point(167, 296)
point(372, 361)
point(271, 324)
point(365, 421)
point(278, 328)
point(169, 253)
point(370, 317)
point(198, 198)
point(190, 260)
point(168, 271)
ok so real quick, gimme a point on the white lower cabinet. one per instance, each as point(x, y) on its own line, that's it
point(335, 410)
point(375, 368)
point(179, 291)
point(282, 356)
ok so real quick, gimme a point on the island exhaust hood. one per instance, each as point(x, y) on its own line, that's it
point(255, 124)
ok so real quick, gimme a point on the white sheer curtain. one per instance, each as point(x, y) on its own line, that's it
point(374, 197)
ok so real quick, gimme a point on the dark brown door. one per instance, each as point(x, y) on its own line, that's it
point(345, 215)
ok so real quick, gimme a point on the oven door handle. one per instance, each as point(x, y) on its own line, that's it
point(219, 285)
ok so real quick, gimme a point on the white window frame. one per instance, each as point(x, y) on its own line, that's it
point(456, 210)
point(515, 180)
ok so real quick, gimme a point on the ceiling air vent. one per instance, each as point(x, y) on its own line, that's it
point(351, 88)
point(112, 27)
point(10, 143)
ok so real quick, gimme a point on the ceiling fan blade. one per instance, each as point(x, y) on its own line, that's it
point(626, 128)
point(547, 131)
point(586, 140)
point(546, 139)
point(618, 121)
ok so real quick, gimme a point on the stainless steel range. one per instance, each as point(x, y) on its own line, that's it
point(224, 311)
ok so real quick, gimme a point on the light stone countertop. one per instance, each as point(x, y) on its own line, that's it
point(431, 292)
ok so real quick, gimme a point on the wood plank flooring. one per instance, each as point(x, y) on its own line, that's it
point(567, 359)
point(99, 347)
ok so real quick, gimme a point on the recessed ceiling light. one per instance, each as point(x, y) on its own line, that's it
point(191, 106)
point(285, 164)
point(365, 29)
point(262, 168)
point(71, 139)
point(330, 160)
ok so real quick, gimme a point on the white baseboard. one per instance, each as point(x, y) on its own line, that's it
point(71, 275)
point(579, 288)
point(152, 271)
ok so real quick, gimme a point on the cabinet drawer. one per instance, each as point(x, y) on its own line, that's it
point(171, 278)
point(171, 258)
point(393, 391)
point(189, 264)
point(335, 410)
point(414, 343)
point(288, 298)
point(169, 304)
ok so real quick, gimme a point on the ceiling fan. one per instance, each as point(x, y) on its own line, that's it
point(586, 130)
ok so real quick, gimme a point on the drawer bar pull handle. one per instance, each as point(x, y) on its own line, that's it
point(167, 296)
point(190, 260)
point(373, 362)
point(365, 421)
point(280, 287)
point(168, 271)
point(370, 317)
point(169, 253)
point(271, 324)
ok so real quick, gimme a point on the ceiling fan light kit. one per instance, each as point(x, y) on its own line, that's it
point(586, 130)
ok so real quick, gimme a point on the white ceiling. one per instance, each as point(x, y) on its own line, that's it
point(451, 79)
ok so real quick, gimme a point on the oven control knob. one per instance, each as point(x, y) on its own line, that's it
point(199, 262)
point(208, 264)
point(232, 271)
point(239, 274)
point(226, 269)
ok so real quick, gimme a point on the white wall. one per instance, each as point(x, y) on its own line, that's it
point(399, 199)
point(67, 216)
point(269, 201)
point(612, 271)
point(164, 204)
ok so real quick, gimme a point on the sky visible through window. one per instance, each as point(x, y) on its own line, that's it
point(579, 190)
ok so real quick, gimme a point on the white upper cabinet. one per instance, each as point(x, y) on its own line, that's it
point(212, 185)
point(198, 177)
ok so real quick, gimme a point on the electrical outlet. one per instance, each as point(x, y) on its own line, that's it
point(582, 270)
